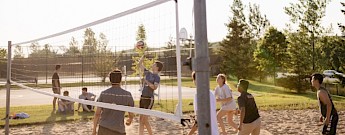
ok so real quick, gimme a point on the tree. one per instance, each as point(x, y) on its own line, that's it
point(90, 42)
point(235, 50)
point(339, 51)
point(3, 53)
point(308, 14)
point(3, 56)
point(141, 36)
point(341, 26)
point(270, 53)
point(337, 54)
point(104, 61)
point(257, 22)
point(73, 48)
point(141, 33)
point(46, 51)
point(34, 47)
point(18, 52)
point(327, 44)
point(299, 54)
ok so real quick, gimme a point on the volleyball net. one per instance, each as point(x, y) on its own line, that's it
point(89, 52)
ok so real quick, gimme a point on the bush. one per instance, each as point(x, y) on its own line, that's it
point(300, 84)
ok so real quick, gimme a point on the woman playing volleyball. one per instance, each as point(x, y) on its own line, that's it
point(224, 95)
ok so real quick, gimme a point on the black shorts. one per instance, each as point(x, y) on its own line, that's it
point(331, 129)
point(146, 102)
point(88, 107)
point(56, 91)
point(106, 131)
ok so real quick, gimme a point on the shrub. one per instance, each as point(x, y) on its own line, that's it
point(300, 84)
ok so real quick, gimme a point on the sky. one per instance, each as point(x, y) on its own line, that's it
point(23, 20)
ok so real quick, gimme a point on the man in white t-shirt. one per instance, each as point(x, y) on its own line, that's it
point(86, 96)
point(214, 126)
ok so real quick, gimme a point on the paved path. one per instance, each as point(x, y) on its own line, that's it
point(24, 97)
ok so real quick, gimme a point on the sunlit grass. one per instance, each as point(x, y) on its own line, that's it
point(267, 97)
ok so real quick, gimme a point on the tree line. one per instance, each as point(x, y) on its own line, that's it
point(252, 48)
point(255, 49)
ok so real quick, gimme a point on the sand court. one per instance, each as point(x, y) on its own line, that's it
point(274, 122)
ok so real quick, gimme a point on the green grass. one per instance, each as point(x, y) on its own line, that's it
point(267, 96)
point(43, 113)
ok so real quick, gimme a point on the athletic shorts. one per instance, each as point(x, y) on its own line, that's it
point(88, 107)
point(106, 131)
point(146, 102)
point(331, 129)
point(56, 91)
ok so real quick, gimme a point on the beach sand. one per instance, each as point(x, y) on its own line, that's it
point(296, 122)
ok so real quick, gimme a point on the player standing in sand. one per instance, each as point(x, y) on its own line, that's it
point(328, 112)
point(213, 112)
point(111, 122)
point(250, 121)
point(223, 95)
point(151, 83)
point(56, 84)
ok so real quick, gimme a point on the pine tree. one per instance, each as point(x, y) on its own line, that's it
point(235, 49)
point(341, 26)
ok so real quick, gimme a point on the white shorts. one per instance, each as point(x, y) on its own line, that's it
point(229, 106)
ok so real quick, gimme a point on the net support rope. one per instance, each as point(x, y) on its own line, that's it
point(163, 115)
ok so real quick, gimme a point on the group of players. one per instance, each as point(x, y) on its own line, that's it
point(111, 122)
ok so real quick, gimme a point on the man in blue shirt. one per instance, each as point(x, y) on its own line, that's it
point(151, 83)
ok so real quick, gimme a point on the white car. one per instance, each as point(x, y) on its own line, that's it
point(332, 73)
point(332, 76)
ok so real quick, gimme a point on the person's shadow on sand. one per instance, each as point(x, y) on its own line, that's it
point(51, 120)
point(47, 128)
point(85, 115)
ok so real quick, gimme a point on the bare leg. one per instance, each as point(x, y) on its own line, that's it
point(230, 119)
point(147, 125)
point(220, 115)
point(54, 103)
point(85, 107)
point(141, 125)
point(61, 106)
point(194, 128)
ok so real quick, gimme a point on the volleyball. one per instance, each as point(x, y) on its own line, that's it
point(140, 45)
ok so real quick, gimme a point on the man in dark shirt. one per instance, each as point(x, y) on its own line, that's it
point(111, 122)
point(56, 84)
point(249, 118)
point(151, 83)
point(328, 112)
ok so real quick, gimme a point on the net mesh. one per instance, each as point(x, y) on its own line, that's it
point(88, 53)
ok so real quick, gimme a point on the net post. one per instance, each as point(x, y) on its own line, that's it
point(178, 63)
point(8, 88)
point(202, 68)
